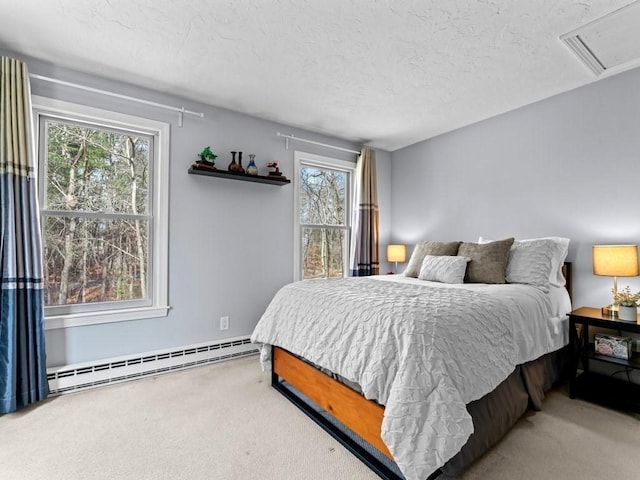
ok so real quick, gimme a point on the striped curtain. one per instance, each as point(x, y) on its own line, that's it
point(23, 375)
point(364, 244)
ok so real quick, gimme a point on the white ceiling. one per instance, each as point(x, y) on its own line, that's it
point(383, 72)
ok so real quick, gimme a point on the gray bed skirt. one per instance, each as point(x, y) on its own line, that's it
point(497, 412)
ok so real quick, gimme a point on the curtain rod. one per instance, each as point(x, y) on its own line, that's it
point(297, 139)
point(180, 110)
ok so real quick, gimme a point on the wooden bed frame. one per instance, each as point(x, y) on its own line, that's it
point(350, 408)
point(362, 416)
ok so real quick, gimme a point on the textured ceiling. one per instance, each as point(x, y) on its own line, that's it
point(387, 73)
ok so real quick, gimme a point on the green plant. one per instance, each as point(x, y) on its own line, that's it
point(207, 155)
point(625, 298)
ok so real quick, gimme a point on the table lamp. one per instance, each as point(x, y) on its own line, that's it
point(396, 253)
point(615, 261)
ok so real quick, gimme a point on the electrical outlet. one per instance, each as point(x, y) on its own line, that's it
point(224, 323)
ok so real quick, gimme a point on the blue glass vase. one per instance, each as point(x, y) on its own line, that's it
point(252, 169)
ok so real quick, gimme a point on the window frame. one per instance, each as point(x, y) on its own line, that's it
point(90, 314)
point(319, 161)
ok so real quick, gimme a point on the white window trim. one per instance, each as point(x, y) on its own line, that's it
point(305, 158)
point(160, 131)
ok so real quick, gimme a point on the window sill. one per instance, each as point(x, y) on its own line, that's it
point(93, 318)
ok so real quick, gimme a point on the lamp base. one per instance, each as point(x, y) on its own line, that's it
point(610, 311)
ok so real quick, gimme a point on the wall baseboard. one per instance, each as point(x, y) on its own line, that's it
point(72, 378)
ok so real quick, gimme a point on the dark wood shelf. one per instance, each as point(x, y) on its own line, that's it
point(238, 176)
point(594, 317)
point(613, 392)
point(633, 362)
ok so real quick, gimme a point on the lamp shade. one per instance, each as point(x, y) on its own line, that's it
point(615, 260)
point(396, 253)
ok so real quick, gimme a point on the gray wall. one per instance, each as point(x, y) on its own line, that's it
point(230, 242)
point(568, 166)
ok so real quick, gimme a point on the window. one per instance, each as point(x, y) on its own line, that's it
point(323, 189)
point(103, 203)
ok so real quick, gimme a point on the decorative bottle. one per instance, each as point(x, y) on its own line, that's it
point(252, 169)
point(240, 167)
point(233, 166)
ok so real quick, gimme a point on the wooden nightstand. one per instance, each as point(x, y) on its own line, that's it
point(615, 391)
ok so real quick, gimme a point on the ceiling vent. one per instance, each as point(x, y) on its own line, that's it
point(609, 44)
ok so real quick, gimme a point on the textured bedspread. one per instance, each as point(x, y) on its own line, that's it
point(423, 351)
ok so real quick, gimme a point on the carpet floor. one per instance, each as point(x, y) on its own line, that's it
point(224, 421)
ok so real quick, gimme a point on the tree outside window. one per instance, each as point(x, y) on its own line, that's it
point(95, 216)
point(324, 216)
point(104, 212)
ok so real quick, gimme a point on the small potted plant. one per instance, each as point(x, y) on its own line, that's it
point(276, 172)
point(627, 304)
point(207, 158)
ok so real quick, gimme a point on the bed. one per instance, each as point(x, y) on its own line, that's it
point(419, 374)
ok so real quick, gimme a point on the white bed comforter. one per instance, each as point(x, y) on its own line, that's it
point(422, 349)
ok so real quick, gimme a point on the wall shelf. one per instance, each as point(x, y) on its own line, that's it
point(238, 176)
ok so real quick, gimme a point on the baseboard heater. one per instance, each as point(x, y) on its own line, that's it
point(72, 378)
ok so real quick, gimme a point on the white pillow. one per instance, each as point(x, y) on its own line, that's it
point(557, 247)
point(560, 250)
point(530, 263)
point(445, 269)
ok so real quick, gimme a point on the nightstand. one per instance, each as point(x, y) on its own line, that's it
point(615, 391)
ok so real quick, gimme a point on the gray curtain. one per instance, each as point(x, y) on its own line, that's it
point(364, 244)
point(23, 375)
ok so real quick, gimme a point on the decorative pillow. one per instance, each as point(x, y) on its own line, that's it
point(559, 247)
point(445, 269)
point(423, 248)
point(488, 262)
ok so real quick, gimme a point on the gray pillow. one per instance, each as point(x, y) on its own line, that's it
point(488, 261)
point(423, 248)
